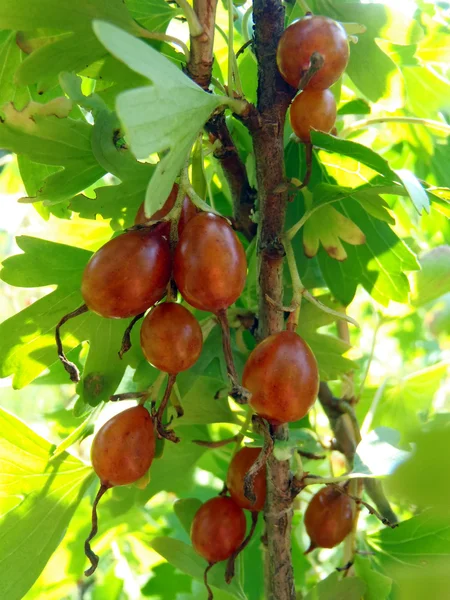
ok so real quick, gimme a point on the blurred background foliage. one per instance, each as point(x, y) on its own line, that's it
point(397, 361)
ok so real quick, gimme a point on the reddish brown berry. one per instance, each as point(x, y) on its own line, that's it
point(281, 374)
point(171, 338)
point(209, 263)
point(312, 109)
point(306, 36)
point(328, 518)
point(218, 529)
point(128, 274)
point(123, 449)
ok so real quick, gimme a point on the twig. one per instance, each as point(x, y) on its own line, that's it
point(364, 123)
point(163, 37)
point(315, 64)
point(205, 580)
point(218, 444)
point(261, 427)
point(70, 367)
point(126, 340)
point(129, 396)
point(311, 455)
point(229, 573)
point(162, 430)
point(244, 47)
point(358, 501)
point(238, 393)
point(104, 487)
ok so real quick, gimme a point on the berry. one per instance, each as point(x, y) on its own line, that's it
point(188, 210)
point(239, 467)
point(281, 374)
point(128, 274)
point(312, 109)
point(218, 529)
point(171, 338)
point(328, 518)
point(305, 36)
point(123, 449)
point(209, 263)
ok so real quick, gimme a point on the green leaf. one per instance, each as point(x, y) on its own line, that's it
point(331, 588)
point(46, 498)
point(416, 192)
point(433, 279)
point(69, 52)
point(378, 586)
point(358, 152)
point(355, 107)
point(185, 510)
point(378, 454)
point(154, 118)
point(154, 15)
point(10, 60)
point(46, 135)
point(416, 556)
point(200, 406)
point(29, 342)
point(166, 583)
point(402, 404)
point(78, 433)
point(379, 265)
point(184, 558)
point(429, 461)
point(413, 542)
point(329, 227)
point(328, 349)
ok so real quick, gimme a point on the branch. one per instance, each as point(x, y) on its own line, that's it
point(346, 433)
point(242, 193)
point(199, 69)
point(274, 97)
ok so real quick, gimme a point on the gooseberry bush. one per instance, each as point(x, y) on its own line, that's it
point(228, 366)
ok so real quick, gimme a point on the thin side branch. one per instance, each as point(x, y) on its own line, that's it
point(126, 340)
point(70, 367)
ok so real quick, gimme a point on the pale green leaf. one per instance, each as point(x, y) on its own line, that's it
point(416, 192)
point(433, 279)
point(329, 227)
point(402, 403)
point(47, 497)
point(9, 61)
point(165, 117)
point(378, 454)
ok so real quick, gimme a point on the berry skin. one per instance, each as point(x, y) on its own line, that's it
point(188, 210)
point(123, 449)
point(209, 263)
point(312, 109)
point(328, 518)
point(238, 469)
point(171, 338)
point(305, 36)
point(282, 375)
point(218, 529)
point(128, 274)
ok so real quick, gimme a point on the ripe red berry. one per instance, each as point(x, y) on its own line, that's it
point(328, 518)
point(123, 449)
point(171, 338)
point(281, 374)
point(238, 469)
point(218, 529)
point(312, 109)
point(306, 36)
point(209, 263)
point(188, 210)
point(128, 274)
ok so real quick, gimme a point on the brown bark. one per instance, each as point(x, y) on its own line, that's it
point(199, 70)
point(274, 97)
